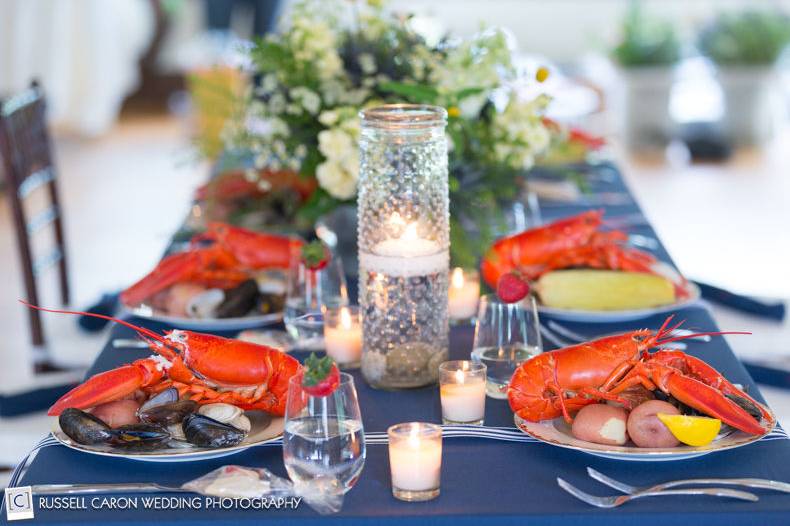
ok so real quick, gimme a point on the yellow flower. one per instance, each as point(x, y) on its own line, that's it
point(453, 111)
point(542, 74)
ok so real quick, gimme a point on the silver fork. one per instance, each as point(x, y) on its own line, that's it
point(619, 500)
point(563, 337)
point(580, 337)
point(129, 343)
point(775, 485)
point(574, 337)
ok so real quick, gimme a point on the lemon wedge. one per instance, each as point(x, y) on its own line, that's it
point(691, 430)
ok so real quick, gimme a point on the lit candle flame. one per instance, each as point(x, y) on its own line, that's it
point(414, 436)
point(459, 376)
point(345, 318)
point(410, 234)
point(458, 278)
point(396, 220)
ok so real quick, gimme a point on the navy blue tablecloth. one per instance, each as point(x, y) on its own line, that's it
point(482, 479)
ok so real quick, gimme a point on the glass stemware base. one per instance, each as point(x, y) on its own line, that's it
point(414, 496)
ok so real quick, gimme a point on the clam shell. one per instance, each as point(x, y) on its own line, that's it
point(242, 423)
point(204, 305)
point(224, 413)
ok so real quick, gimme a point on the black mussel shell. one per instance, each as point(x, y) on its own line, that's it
point(207, 432)
point(168, 414)
point(168, 396)
point(239, 301)
point(84, 428)
point(142, 435)
point(271, 303)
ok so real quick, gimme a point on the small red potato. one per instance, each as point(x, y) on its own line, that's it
point(118, 413)
point(602, 424)
point(646, 430)
point(179, 297)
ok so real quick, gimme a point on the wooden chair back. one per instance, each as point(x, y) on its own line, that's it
point(27, 163)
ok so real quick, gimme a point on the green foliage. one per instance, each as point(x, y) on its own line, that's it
point(646, 40)
point(749, 37)
point(335, 58)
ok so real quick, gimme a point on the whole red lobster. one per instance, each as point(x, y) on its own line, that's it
point(563, 381)
point(203, 367)
point(226, 263)
point(576, 241)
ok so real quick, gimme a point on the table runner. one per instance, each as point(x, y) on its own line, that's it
point(482, 479)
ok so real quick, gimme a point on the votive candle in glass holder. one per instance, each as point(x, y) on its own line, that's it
point(415, 450)
point(462, 388)
point(343, 336)
point(463, 294)
point(404, 244)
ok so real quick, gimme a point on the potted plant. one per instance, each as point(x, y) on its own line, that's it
point(646, 53)
point(745, 46)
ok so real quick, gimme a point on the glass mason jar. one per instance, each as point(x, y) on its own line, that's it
point(404, 241)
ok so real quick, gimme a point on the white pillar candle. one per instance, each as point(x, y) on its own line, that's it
point(415, 451)
point(463, 294)
point(343, 336)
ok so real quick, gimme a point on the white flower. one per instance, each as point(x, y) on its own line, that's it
point(520, 133)
point(367, 62)
point(301, 151)
point(333, 178)
point(328, 118)
point(269, 83)
point(277, 104)
point(350, 163)
point(308, 99)
point(335, 144)
point(279, 127)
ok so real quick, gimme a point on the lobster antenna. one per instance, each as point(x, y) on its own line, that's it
point(141, 330)
point(666, 331)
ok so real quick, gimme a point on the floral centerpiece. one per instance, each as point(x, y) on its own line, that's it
point(312, 78)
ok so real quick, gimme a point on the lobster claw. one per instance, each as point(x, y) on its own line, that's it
point(210, 266)
point(254, 250)
point(111, 385)
point(700, 386)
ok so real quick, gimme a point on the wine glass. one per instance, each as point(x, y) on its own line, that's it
point(506, 335)
point(323, 441)
point(310, 293)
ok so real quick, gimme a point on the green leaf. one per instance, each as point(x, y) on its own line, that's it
point(316, 369)
point(412, 92)
point(467, 92)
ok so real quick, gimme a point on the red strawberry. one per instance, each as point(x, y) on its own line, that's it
point(321, 376)
point(512, 287)
point(315, 255)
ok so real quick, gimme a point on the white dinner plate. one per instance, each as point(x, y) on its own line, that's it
point(210, 324)
point(557, 432)
point(265, 429)
point(603, 316)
